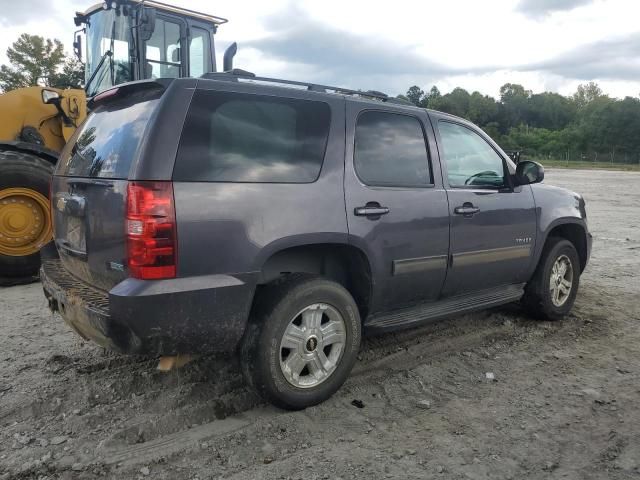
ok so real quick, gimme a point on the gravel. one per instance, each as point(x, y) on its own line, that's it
point(566, 404)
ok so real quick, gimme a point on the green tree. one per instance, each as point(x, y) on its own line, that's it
point(550, 110)
point(483, 109)
point(514, 99)
point(34, 61)
point(430, 99)
point(587, 93)
point(415, 95)
point(455, 102)
point(434, 92)
point(71, 75)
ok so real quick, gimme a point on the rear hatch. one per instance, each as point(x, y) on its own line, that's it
point(89, 187)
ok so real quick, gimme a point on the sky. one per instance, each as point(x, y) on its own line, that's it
point(545, 45)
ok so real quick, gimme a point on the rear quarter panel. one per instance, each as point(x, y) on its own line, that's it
point(226, 227)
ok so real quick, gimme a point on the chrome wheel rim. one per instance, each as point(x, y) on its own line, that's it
point(312, 345)
point(561, 280)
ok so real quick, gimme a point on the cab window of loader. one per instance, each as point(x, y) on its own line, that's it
point(199, 52)
point(163, 51)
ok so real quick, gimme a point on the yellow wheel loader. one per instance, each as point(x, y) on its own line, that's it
point(125, 40)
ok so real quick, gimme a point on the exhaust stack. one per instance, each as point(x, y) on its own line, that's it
point(227, 60)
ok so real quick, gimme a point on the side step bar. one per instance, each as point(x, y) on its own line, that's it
point(423, 313)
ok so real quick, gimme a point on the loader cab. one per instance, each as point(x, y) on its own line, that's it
point(129, 40)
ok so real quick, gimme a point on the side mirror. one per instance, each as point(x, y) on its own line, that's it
point(147, 23)
point(528, 172)
point(50, 97)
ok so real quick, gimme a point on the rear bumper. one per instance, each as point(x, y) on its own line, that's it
point(164, 317)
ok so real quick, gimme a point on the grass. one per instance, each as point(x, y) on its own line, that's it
point(591, 165)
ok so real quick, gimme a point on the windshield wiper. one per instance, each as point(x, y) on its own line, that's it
point(109, 54)
point(112, 48)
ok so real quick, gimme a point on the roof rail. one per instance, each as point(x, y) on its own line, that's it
point(236, 74)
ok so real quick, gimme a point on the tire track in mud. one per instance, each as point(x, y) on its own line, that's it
point(411, 349)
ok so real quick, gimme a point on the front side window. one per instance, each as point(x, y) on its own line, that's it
point(163, 51)
point(470, 160)
point(234, 137)
point(390, 150)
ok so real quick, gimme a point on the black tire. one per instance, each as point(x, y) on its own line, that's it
point(538, 296)
point(21, 169)
point(275, 307)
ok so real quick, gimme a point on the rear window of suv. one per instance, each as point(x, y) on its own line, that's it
point(234, 137)
point(106, 144)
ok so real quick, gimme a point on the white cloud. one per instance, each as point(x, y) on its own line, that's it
point(476, 45)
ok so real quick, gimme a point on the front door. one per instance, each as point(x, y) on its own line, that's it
point(164, 51)
point(397, 210)
point(493, 226)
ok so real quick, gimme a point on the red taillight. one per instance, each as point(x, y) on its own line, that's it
point(151, 230)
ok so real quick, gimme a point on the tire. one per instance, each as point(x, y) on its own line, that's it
point(27, 171)
point(539, 298)
point(300, 300)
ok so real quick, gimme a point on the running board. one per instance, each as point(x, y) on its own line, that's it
point(413, 316)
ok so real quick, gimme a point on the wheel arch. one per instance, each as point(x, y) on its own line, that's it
point(40, 151)
point(572, 229)
point(341, 262)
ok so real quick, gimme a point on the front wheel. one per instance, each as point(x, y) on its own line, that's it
point(552, 291)
point(302, 342)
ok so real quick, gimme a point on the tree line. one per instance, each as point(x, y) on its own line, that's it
point(588, 125)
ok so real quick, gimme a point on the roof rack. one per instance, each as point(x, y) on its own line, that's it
point(236, 74)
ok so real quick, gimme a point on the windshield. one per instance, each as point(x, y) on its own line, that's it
point(107, 31)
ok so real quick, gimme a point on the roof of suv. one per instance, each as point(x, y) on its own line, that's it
point(237, 75)
point(370, 96)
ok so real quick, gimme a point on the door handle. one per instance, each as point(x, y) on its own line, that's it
point(467, 209)
point(370, 211)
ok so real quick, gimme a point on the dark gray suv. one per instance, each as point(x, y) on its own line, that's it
point(284, 220)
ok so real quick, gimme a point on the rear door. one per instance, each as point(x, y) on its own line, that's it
point(89, 189)
point(493, 225)
point(397, 209)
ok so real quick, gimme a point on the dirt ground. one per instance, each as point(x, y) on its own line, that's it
point(565, 401)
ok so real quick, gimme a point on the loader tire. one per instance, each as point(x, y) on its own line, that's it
point(25, 220)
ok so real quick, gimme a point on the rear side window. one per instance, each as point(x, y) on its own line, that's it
point(107, 142)
point(391, 151)
point(233, 137)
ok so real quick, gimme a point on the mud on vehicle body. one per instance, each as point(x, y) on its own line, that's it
point(217, 214)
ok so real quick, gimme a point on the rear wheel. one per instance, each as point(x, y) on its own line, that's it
point(302, 342)
point(552, 291)
point(25, 221)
